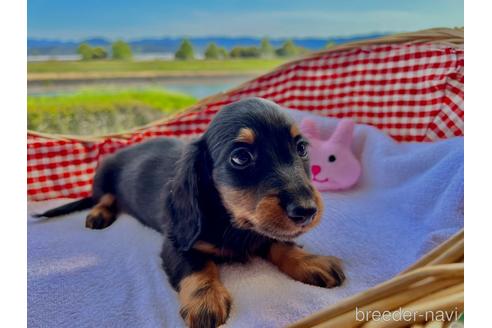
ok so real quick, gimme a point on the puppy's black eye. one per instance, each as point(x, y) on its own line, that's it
point(332, 158)
point(241, 157)
point(302, 149)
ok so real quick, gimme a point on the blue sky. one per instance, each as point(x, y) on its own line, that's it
point(79, 19)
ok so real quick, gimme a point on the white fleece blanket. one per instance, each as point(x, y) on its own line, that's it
point(409, 199)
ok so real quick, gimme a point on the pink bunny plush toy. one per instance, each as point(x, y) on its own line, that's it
point(333, 164)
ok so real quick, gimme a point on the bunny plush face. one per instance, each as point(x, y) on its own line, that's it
point(333, 164)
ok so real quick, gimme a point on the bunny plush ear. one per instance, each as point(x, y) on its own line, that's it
point(344, 132)
point(309, 128)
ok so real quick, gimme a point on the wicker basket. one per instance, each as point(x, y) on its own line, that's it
point(433, 283)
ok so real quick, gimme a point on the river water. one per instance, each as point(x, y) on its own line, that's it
point(197, 86)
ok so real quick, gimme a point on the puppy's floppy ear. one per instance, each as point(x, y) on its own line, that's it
point(183, 203)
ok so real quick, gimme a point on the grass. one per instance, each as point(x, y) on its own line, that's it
point(92, 112)
point(108, 66)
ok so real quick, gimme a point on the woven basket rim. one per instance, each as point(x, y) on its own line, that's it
point(452, 37)
point(440, 269)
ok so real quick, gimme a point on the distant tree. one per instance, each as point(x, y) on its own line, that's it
point(244, 52)
point(330, 44)
point(212, 51)
point(266, 49)
point(288, 49)
point(121, 50)
point(235, 52)
point(85, 51)
point(185, 51)
point(99, 53)
point(215, 52)
point(223, 53)
point(251, 52)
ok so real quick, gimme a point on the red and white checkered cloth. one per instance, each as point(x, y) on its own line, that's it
point(413, 92)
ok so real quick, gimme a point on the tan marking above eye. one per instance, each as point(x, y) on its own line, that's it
point(246, 135)
point(294, 130)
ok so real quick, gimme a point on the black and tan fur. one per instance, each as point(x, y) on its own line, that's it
point(212, 208)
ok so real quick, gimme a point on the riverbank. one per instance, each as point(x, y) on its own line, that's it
point(195, 85)
point(86, 76)
point(108, 69)
point(100, 97)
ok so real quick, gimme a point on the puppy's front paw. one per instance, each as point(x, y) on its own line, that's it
point(205, 306)
point(322, 271)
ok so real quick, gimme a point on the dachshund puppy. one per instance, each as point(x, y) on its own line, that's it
point(243, 189)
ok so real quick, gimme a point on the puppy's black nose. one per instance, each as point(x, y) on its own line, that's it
point(301, 214)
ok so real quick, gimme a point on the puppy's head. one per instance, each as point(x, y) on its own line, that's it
point(255, 158)
point(261, 169)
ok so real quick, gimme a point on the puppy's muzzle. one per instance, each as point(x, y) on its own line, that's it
point(302, 212)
